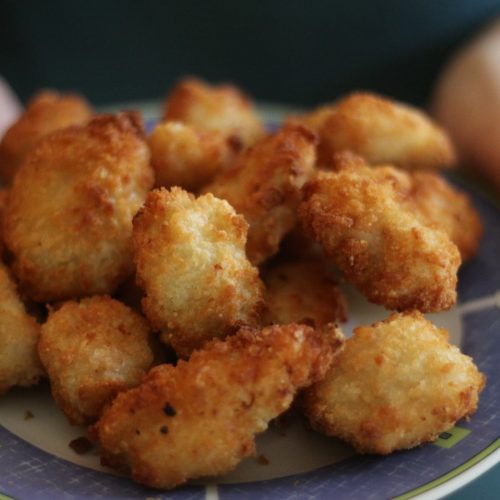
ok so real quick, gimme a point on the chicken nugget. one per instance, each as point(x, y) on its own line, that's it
point(191, 263)
point(184, 156)
point(265, 187)
point(92, 350)
point(302, 292)
point(440, 205)
point(380, 130)
point(68, 219)
point(19, 333)
point(200, 418)
point(215, 108)
point(47, 111)
point(397, 384)
point(382, 248)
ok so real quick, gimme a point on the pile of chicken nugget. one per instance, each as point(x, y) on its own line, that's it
point(224, 243)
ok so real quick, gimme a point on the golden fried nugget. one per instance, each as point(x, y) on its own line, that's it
point(200, 418)
point(184, 156)
point(191, 263)
point(220, 108)
point(19, 333)
point(380, 130)
point(396, 384)
point(302, 292)
point(382, 248)
point(265, 187)
point(68, 220)
point(46, 112)
point(92, 350)
point(440, 205)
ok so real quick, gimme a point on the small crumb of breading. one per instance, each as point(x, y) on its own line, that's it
point(215, 108)
point(386, 251)
point(302, 292)
point(183, 156)
point(68, 219)
point(265, 184)
point(380, 130)
point(191, 263)
point(19, 333)
point(200, 417)
point(439, 204)
point(92, 350)
point(396, 384)
point(46, 112)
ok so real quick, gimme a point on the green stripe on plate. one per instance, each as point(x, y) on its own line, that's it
point(451, 437)
point(5, 497)
point(453, 473)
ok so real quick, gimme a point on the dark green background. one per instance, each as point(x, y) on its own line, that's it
point(300, 52)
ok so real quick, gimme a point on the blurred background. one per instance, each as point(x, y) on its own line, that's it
point(294, 52)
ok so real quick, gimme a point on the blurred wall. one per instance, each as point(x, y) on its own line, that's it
point(300, 52)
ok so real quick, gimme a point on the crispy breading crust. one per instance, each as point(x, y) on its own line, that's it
point(395, 385)
point(265, 187)
point(19, 333)
point(215, 108)
point(440, 205)
point(183, 156)
point(302, 292)
point(383, 249)
point(68, 220)
point(434, 201)
point(382, 131)
point(92, 350)
point(200, 418)
point(191, 262)
point(47, 111)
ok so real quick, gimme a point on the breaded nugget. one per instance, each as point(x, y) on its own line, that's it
point(382, 131)
point(265, 187)
point(219, 108)
point(19, 333)
point(183, 156)
point(382, 248)
point(200, 418)
point(191, 263)
point(68, 220)
point(46, 112)
point(440, 205)
point(396, 384)
point(302, 292)
point(92, 350)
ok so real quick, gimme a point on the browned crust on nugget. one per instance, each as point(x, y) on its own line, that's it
point(383, 249)
point(19, 334)
point(265, 187)
point(215, 108)
point(200, 418)
point(183, 156)
point(92, 350)
point(380, 130)
point(302, 292)
point(68, 221)
point(440, 205)
point(46, 112)
point(396, 384)
point(191, 263)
